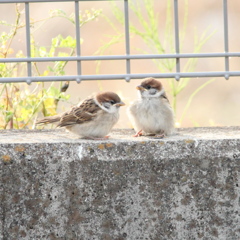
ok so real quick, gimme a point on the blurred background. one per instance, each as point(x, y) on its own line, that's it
point(201, 29)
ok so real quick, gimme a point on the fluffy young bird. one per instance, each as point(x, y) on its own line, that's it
point(152, 113)
point(93, 118)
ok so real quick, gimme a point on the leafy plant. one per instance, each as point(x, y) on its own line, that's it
point(148, 30)
point(19, 103)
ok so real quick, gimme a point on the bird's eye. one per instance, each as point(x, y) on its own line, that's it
point(148, 87)
point(112, 102)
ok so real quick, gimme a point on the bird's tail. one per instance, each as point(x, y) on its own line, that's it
point(51, 119)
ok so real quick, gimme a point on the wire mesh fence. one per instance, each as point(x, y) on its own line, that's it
point(127, 57)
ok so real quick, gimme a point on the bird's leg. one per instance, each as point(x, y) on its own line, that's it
point(138, 134)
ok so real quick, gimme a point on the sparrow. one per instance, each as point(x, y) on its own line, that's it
point(92, 118)
point(152, 114)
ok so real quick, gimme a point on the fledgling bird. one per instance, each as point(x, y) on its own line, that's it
point(93, 118)
point(152, 114)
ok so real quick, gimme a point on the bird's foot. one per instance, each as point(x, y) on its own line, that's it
point(106, 137)
point(138, 134)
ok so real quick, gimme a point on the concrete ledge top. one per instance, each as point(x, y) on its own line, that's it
point(118, 135)
point(188, 143)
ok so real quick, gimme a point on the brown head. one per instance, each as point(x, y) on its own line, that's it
point(151, 87)
point(150, 83)
point(109, 101)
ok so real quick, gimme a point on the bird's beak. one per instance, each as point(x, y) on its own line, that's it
point(120, 104)
point(141, 88)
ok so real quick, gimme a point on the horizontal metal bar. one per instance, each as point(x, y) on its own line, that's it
point(122, 57)
point(35, 1)
point(119, 76)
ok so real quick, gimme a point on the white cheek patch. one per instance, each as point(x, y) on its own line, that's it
point(146, 94)
point(111, 109)
point(100, 105)
point(158, 94)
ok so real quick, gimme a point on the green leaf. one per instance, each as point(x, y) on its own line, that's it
point(8, 115)
point(68, 42)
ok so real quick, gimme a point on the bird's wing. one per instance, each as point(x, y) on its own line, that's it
point(164, 96)
point(86, 112)
point(50, 119)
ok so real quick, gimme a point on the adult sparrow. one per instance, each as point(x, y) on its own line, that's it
point(93, 118)
point(152, 113)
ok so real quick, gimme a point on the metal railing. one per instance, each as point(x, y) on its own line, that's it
point(127, 57)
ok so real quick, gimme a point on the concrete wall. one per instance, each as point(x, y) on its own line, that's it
point(54, 186)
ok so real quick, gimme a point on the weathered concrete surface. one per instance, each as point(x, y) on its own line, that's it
point(54, 186)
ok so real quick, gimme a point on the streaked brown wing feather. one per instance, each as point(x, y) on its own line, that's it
point(51, 119)
point(80, 114)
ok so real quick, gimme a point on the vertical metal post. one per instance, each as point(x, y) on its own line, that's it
point(127, 41)
point(177, 47)
point(28, 41)
point(78, 41)
point(225, 17)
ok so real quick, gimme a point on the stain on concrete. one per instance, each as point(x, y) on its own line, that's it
point(109, 145)
point(19, 148)
point(101, 146)
point(6, 158)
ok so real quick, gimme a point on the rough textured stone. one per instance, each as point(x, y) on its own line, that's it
point(55, 186)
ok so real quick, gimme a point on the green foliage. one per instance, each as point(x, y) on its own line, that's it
point(20, 104)
point(147, 28)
